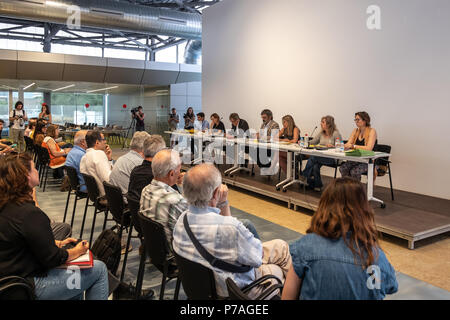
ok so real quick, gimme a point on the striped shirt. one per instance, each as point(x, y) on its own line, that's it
point(163, 204)
point(223, 237)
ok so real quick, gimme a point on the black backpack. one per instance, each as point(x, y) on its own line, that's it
point(107, 248)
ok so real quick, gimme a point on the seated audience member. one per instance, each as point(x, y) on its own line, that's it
point(159, 201)
point(73, 158)
point(120, 174)
point(326, 137)
point(289, 133)
point(217, 126)
point(27, 246)
point(29, 130)
point(142, 175)
point(39, 133)
point(2, 123)
point(268, 124)
point(363, 137)
point(222, 235)
point(97, 161)
point(204, 125)
point(239, 127)
point(340, 258)
point(57, 156)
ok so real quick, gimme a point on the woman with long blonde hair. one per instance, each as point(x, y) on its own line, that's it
point(289, 133)
point(340, 257)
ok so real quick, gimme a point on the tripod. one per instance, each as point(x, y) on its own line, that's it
point(132, 129)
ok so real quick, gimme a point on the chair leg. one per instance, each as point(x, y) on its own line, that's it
point(73, 212)
point(390, 181)
point(67, 204)
point(163, 283)
point(84, 217)
point(140, 276)
point(177, 288)
point(125, 258)
point(93, 223)
point(46, 176)
point(106, 219)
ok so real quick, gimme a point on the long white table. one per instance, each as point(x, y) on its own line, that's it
point(292, 150)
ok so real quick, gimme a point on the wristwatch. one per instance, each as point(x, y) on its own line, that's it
point(222, 204)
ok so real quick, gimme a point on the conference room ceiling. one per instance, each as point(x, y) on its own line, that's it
point(78, 87)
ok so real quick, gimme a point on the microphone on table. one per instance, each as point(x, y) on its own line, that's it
point(312, 134)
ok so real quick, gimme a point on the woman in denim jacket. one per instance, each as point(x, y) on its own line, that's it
point(340, 258)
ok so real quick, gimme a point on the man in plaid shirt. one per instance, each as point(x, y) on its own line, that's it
point(159, 201)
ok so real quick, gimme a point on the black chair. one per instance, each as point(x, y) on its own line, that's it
point(235, 293)
point(44, 166)
point(94, 196)
point(121, 215)
point(157, 248)
point(29, 144)
point(133, 206)
point(384, 164)
point(198, 281)
point(16, 288)
point(74, 188)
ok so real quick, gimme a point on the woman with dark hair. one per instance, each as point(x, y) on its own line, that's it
point(189, 119)
point(17, 119)
point(27, 246)
point(45, 114)
point(327, 138)
point(363, 137)
point(39, 133)
point(340, 258)
point(217, 126)
point(289, 133)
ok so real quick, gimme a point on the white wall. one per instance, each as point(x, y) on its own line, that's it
point(312, 58)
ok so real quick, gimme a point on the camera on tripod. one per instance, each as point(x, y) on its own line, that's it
point(134, 110)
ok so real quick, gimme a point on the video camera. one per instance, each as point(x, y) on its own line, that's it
point(134, 110)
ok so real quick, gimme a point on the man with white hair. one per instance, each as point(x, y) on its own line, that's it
point(142, 175)
point(159, 201)
point(73, 158)
point(234, 252)
point(120, 174)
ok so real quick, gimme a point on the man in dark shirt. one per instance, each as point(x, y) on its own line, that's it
point(142, 175)
point(239, 126)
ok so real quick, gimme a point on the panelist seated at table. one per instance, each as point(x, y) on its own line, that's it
point(326, 137)
point(201, 124)
point(363, 137)
point(289, 133)
point(239, 126)
point(217, 126)
point(267, 126)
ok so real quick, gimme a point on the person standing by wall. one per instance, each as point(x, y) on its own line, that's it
point(174, 119)
point(17, 118)
point(139, 116)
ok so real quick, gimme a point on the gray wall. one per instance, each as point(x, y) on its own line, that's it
point(312, 58)
point(184, 95)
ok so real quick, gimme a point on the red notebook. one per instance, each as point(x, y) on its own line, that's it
point(85, 261)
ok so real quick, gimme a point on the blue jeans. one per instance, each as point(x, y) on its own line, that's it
point(64, 284)
point(249, 225)
point(312, 170)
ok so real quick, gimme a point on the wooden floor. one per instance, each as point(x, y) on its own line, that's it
point(412, 217)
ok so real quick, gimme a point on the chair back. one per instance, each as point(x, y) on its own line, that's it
point(29, 143)
point(115, 202)
point(73, 177)
point(382, 148)
point(43, 156)
point(134, 207)
point(92, 188)
point(155, 241)
point(234, 292)
point(198, 281)
point(15, 288)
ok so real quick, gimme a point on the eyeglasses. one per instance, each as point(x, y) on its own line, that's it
point(357, 120)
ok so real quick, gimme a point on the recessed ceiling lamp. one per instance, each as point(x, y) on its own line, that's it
point(66, 87)
point(102, 89)
point(28, 86)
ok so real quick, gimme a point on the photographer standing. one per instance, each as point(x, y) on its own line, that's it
point(139, 116)
point(17, 119)
point(189, 119)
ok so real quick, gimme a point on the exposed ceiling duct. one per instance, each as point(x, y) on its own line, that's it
point(115, 15)
point(193, 52)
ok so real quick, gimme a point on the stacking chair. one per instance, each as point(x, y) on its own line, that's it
point(74, 189)
point(94, 196)
point(29, 144)
point(384, 163)
point(235, 293)
point(156, 246)
point(121, 215)
point(44, 165)
point(198, 281)
point(16, 288)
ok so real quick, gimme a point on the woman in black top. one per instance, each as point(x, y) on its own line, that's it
point(189, 119)
point(216, 125)
point(289, 133)
point(27, 246)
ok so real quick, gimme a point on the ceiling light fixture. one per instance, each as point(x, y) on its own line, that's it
point(66, 87)
point(28, 86)
point(102, 89)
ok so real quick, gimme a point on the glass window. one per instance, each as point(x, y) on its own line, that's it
point(4, 107)
point(167, 55)
point(32, 103)
point(71, 107)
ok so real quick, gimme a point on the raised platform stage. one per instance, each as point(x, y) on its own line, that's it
point(411, 216)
